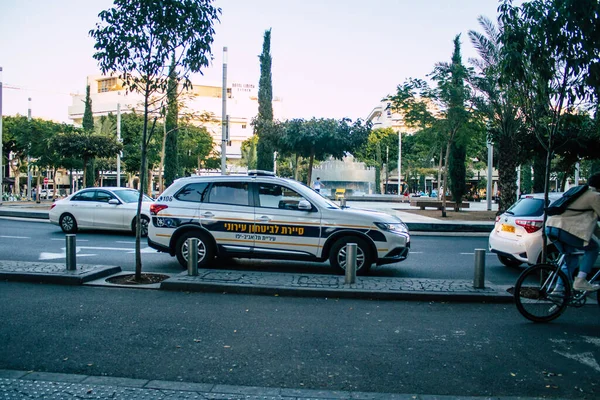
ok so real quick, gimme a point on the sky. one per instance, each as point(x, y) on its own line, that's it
point(331, 58)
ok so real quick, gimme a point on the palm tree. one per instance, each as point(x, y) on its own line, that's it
point(495, 100)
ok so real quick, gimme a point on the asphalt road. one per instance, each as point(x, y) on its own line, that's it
point(314, 343)
point(432, 257)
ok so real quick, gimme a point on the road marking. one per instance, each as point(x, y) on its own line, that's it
point(52, 256)
point(79, 240)
point(472, 254)
point(14, 237)
point(124, 242)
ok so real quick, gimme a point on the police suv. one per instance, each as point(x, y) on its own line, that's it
point(263, 216)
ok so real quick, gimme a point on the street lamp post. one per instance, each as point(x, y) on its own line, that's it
point(224, 116)
point(399, 163)
point(28, 156)
point(1, 156)
point(119, 140)
point(489, 175)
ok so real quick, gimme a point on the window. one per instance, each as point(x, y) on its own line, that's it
point(271, 195)
point(103, 196)
point(88, 195)
point(243, 126)
point(229, 193)
point(106, 85)
point(194, 192)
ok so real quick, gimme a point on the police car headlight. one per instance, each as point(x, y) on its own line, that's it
point(398, 227)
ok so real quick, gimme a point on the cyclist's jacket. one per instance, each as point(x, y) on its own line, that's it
point(580, 223)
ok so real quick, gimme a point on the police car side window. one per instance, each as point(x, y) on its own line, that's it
point(276, 196)
point(235, 193)
point(194, 192)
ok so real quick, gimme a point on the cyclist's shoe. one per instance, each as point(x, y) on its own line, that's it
point(582, 285)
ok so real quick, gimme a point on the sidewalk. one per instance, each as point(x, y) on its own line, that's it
point(55, 386)
point(267, 283)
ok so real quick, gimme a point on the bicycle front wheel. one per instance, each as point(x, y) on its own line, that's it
point(536, 294)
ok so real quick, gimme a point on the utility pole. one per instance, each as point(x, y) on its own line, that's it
point(489, 193)
point(224, 116)
point(28, 156)
point(399, 163)
point(1, 156)
point(119, 140)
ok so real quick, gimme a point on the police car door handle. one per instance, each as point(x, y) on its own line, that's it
point(208, 214)
point(264, 218)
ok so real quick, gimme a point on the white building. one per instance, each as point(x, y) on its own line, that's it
point(242, 105)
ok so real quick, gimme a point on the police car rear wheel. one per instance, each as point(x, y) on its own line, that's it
point(206, 251)
point(338, 255)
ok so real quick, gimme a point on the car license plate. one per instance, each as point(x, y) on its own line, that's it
point(507, 228)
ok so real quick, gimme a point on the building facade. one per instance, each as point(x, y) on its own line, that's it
point(203, 99)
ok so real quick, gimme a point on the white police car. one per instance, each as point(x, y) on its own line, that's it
point(263, 216)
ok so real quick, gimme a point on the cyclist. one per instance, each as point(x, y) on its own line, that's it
point(574, 230)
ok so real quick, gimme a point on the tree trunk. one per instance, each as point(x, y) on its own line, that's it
point(162, 159)
point(310, 165)
point(445, 178)
point(138, 253)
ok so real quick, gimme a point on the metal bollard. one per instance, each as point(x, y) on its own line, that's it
point(192, 261)
point(71, 251)
point(350, 263)
point(343, 202)
point(479, 278)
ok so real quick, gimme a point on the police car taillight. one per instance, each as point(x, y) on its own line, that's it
point(156, 208)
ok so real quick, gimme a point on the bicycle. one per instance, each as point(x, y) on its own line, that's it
point(537, 296)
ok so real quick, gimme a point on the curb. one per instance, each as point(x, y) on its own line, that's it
point(480, 296)
point(53, 273)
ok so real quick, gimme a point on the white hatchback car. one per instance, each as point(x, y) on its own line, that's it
point(263, 216)
point(517, 234)
point(107, 208)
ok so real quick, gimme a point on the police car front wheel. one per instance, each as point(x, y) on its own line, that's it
point(339, 253)
point(206, 251)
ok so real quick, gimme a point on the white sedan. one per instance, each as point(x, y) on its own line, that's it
point(108, 208)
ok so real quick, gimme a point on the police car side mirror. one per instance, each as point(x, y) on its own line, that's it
point(304, 205)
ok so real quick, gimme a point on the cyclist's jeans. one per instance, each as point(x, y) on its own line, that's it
point(567, 243)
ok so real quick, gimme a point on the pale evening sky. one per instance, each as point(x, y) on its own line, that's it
point(331, 58)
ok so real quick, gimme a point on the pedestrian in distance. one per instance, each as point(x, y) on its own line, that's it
point(574, 229)
point(317, 185)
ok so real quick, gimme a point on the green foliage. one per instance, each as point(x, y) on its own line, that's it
point(249, 152)
point(195, 148)
point(136, 38)
point(171, 167)
point(551, 56)
point(88, 118)
point(457, 172)
point(263, 123)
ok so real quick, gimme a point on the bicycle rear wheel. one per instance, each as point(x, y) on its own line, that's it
point(535, 296)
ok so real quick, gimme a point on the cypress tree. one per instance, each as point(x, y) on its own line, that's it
point(264, 121)
point(88, 127)
point(171, 154)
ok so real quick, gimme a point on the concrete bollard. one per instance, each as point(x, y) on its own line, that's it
point(479, 278)
point(192, 261)
point(350, 263)
point(71, 251)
